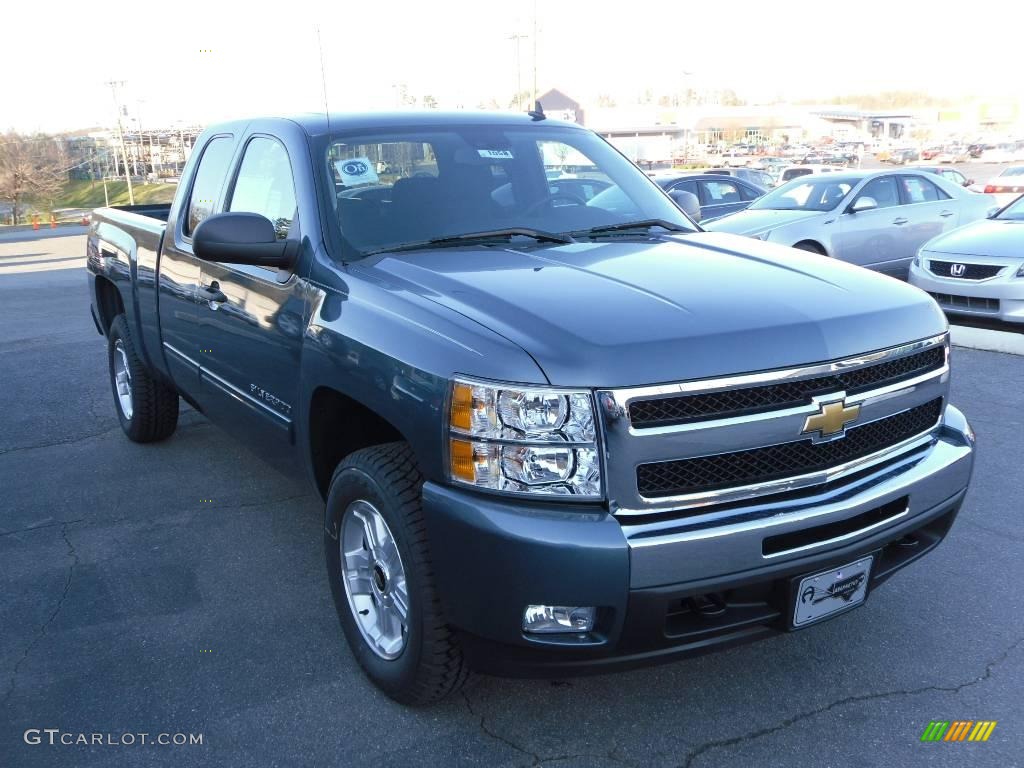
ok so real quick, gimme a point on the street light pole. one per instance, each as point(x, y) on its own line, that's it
point(120, 135)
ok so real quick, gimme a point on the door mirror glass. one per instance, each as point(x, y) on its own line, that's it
point(241, 238)
point(863, 203)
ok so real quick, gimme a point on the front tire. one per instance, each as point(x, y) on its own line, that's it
point(378, 564)
point(146, 408)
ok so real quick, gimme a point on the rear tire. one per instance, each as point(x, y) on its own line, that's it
point(374, 580)
point(146, 408)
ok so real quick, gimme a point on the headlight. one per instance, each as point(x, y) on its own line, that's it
point(763, 235)
point(917, 259)
point(530, 440)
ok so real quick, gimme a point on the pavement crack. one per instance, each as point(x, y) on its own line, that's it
point(535, 758)
point(88, 436)
point(41, 633)
point(491, 733)
point(40, 527)
point(790, 721)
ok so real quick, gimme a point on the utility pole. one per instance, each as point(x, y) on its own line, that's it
point(517, 37)
point(533, 102)
point(120, 135)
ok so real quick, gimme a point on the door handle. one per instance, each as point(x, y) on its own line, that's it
point(212, 294)
point(946, 214)
point(900, 221)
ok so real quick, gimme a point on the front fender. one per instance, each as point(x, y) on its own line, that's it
point(395, 353)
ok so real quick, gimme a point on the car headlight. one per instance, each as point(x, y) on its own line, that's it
point(537, 441)
point(917, 259)
point(763, 235)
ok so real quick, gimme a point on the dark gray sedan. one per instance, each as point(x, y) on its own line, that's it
point(719, 195)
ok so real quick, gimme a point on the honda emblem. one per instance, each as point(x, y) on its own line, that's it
point(957, 270)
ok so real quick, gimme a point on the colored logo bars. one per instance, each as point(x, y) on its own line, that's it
point(959, 730)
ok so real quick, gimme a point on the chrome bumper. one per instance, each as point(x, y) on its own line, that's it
point(713, 546)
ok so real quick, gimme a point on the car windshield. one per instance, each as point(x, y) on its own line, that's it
point(1016, 170)
point(1014, 211)
point(808, 193)
point(406, 187)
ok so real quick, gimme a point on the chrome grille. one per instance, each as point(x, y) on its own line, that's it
point(668, 411)
point(759, 421)
point(758, 465)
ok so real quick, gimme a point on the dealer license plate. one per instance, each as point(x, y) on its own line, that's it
point(830, 592)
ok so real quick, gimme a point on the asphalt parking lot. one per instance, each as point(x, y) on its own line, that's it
point(180, 588)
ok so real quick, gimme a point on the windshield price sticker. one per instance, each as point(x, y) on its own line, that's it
point(356, 170)
point(496, 154)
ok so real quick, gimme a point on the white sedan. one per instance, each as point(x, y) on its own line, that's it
point(1007, 186)
point(875, 219)
point(977, 269)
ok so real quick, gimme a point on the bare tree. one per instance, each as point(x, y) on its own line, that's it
point(31, 170)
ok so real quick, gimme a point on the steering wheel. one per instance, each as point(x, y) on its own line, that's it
point(536, 206)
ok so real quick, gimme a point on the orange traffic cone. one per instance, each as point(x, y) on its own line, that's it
point(53, 221)
point(35, 221)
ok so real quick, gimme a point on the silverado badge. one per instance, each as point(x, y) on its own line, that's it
point(830, 421)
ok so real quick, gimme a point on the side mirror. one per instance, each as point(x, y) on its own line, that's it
point(863, 204)
point(687, 201)
point(968, 182)
point(241, 238)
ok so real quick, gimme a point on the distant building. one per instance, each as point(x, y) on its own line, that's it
point(559, 106)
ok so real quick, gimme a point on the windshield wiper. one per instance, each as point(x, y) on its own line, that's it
point(508, 233)
point(624, 226)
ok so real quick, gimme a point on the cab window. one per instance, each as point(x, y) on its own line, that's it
point(264, 184)
point(213, 167)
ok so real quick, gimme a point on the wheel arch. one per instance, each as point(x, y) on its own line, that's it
point(338, 425)
point(109, 303)
point(810, 244)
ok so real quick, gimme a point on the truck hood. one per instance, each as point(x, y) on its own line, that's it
point(755, 222)
point(623, 313)
point(1001, 238)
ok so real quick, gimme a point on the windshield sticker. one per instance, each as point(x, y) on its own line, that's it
point(356, 170)
point(496, 154)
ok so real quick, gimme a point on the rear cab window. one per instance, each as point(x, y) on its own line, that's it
point(209, 179)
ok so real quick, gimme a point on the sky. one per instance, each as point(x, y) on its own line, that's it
point(189, 62)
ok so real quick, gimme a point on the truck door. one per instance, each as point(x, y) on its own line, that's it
point(180, 271)
point(253, 319)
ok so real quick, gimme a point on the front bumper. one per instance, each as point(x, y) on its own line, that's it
point(687, 588)
point(999, 298)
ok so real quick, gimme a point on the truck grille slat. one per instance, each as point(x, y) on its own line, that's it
point(748, 467)
point(669, 411)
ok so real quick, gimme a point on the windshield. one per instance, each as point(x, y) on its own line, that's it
point(808, 193)
point(1014, 211)
point(409, 186)
point(1013, 170)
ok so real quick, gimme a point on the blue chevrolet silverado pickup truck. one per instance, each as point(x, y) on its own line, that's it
point(554, 431)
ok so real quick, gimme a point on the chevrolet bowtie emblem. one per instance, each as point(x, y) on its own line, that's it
point(831, 420)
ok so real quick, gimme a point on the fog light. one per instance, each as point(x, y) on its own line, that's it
point(558, 618)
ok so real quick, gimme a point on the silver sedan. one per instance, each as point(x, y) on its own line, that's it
point(875, 219)
point(977, 269)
